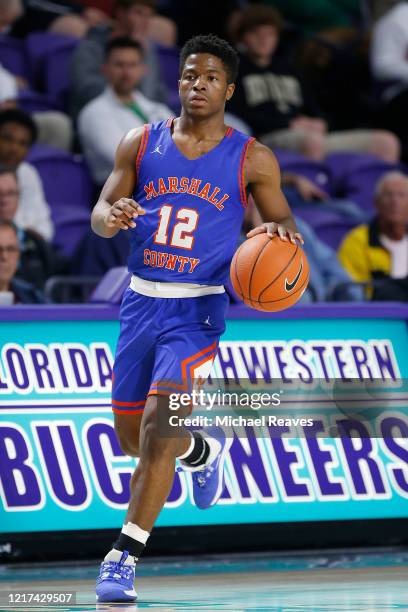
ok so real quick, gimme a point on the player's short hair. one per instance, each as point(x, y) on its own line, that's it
point(15, 115)
point(122, 42)
point(213, 45)
point(125, 5)
point(254, 16)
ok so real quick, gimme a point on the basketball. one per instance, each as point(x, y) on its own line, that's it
point(268, 273)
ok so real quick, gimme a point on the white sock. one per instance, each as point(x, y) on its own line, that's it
point(115, 555)
point(190, 448)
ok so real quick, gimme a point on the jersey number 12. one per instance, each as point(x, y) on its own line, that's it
point(181, 236)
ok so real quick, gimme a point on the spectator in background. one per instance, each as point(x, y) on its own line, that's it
point(326, 272)
point(37, 258)
point(276, 104)
point(304, 197)
point(54, 128)
point(67, 17)
point(88, 81)
point(379, 251)
point(121, 107)
point(389, 64)
point(12, 289)
point(8, 86)
point(17, 134)
point(319, 15)
point(10, 11)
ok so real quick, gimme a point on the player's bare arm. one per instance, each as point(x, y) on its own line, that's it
point(115, 209)
point(263, 178)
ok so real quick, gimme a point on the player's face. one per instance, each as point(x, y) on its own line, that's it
point(15, 142)
point(203, 85)
point(8, 197)
point(124, 70)
point(262, 41)
point(9, 254)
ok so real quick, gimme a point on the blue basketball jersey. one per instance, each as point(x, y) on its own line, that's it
point(194, 208)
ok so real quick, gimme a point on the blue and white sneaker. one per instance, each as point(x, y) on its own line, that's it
point(208, 480)
point(116, 580)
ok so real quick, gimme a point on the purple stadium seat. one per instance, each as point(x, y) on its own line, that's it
point(71, 224)
point(357, 176)
point(318, 172)
point(57, 73)
point(13, 56)
point(39, 45)
point(332, 232)
point(112, 286)
point(169, 67)
point(32, 101)
point(316, 217)
point(66, 181)
point(341, 164)
point(41, 151)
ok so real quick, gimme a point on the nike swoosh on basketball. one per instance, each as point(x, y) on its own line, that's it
point(289, 286)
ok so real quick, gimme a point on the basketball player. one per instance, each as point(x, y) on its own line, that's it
point(180, 189)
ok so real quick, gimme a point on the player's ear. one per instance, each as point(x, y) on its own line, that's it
point(230, 90)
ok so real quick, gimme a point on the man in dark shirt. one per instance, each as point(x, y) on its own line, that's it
point(274, 101)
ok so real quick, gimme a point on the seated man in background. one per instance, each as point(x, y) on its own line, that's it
point(54, 128)
point(132, 18)
point(12, 289)
point(305, 197)
point(389, 65)
point(17, 134)
point(37, 258)
point(121, 107)
point(326, 272)
point(278, 107)
point(379, 251)
point(67, 17)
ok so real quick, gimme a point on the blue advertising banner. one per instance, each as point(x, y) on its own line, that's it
point(61, 467)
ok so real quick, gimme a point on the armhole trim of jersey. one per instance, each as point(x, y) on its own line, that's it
point(241, 177)
point(142, 147)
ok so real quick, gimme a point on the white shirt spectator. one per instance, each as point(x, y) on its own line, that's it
point(389, 48)
point(104, 121)
point(399, 255)
point(8, 85)
point(33, 211)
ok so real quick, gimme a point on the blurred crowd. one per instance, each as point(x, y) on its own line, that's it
point(323, 83)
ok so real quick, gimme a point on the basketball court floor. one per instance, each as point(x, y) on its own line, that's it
point(319, 582)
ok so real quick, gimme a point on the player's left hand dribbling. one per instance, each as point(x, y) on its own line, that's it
point(276, 229)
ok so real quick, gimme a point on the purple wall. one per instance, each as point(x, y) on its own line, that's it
point(100, 312)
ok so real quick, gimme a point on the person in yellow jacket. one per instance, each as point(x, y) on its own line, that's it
point(379, 250)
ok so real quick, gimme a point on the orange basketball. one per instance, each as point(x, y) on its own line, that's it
point(269, 273)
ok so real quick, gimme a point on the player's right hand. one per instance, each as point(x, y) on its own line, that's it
point(122, 214)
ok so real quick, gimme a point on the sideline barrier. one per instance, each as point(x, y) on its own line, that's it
point(61, 467)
